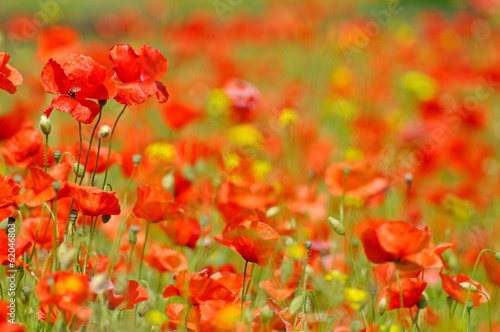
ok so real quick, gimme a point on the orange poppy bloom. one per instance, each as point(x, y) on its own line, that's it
point(5, 325)
point(280, 289)
point(362, 181)
point(402, 243)
point(154, 204)
point(184, 232)
point(134, 294)
point(451, 285)
point(42, 189)
point(165, 259)
point(282, 319)
point(8, 190)
point(9, 76)
point(114, 158)
point(22, 245)
point(492, 268)
point(45, 227)
point(65, 290)
point(255, 241)
point(91, 201)
point(24, 149)
point(412, 289)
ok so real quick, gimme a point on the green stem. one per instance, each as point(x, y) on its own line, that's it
point(401, 298)
point(352, 261)
point(55, 240)
point(80, 153)
point(93, 224)
point(342, 200)
point(489, 308)
point(96, 162)
point(143, 250)
point(243, 290)
point(109, 147)
point(46, 147)
point(90, 146)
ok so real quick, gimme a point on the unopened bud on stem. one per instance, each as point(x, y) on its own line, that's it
point(336, 226)
point(104, 132)
point(45, 124)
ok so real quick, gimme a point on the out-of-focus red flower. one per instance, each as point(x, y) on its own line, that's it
point(56, 42)
point(244, 98)
point(282, 319)
point(8, 190)
point(138, 74)
point(412, 289)
point(362, 181)
point(165, 259)
point(102, 161)
point(5, 325)
point(154, 204)
point(76, 321)
point(184, 232)
point(255, 241)
point(45, 228)
point(134, 294)
point(91, 201)
point(25, 149)
point(67, 291)
point(9, 76)
point(247, 195)
point(280, 289)
point(77, 79)
point(21, 246)
point(492, 268)
point(178, 115)
point(402, 243)
point(451, 285)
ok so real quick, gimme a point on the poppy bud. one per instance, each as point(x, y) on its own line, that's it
point(347, 170)
point(469, 305)
point(308, 245)
point(136, 158)
point(497, 257)
point(467, 285)
point(73, 215)
point(45, 124)
point(56, 185)
point(57, 155)
point(121, 284)
point(382, 306)
point(272, 211)
point(6, 222)
point(102, 102)
point(168, 182)
point(68, 258)
point(356, 326)
point(143, 309)
point(132, 234)
point(297, 303)
point(105, 218)
point(99, 283)
point(18, 178)
point(266, 314)
point(423, 301)
point(78, 170)
point(104, 132)
point(373, 290)
point(336, 226)
point(409, 178)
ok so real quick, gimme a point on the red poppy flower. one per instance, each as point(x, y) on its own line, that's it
point(247, 195)
point(280, 289)
point(56, 41)
point(165, 259)
point(42, 189)
point(114, 158)
point(67, 291)
point(282, 319)
point(362, 181)
point(77, 321)
point(91, 201)
point(492, 268)
point(134, 294)
point(244, 97)
point(451, 285)
point(402, 243)
point(24, 148)
point(255, 241)
point(8, 190)
point(5, 325)
point(44, 227)
point(138, 74)
point(9, 76)
point(412, 289)
point(184, 232)
point(21, 246)
point(177, 115)
point(154, 204)
point(77, 79)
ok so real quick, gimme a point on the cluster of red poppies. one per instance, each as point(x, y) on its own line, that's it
point(343, 186)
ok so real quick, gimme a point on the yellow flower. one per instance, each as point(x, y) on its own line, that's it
point(161, 151)
point(352, 154)
point(218, 103)
point(231, 160)
point(422, 86)
point(356, 298)
point(296, 251)
point(227, 317)
point(245, 135)
point(288, 116)
point(336, 276)
point(261, 168)
point(155, 317)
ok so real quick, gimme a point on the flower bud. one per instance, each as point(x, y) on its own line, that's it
point(373, 290)
point(423, 301)
point(297, 303)
point(497, 257)
point(136, 158)
point(105, 218)
point(347, 170)
point(68, 258)
point(266, 314)
point(99, 283)
point(18, 178)
point(143, 308)
point(308, 245)
point(57, 155)
point(104, 132)
point(336, 226)
point(469, 305)
point(467, 285)
point(382, 306)
point(78, 170)
point(73, 215)
point(45, 124)
point(168, 182)
point(272, 211)
point(132, 234)
point(6, 222)
point(56, 185)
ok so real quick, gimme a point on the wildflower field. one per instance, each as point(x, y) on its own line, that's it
point(231, 165)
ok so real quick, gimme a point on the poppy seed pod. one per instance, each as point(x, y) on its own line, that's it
point(104, 132)
point(469, 305)
point(423, 301)
point(132, 234)
point(45, 124)
point(56, 185)
point(73, 215)
point(336, 226)
point(18, 178)
point(78, 170)
point(347, 170)
point(308, 245)
point(57, 155)
point(266, 314)
point(136, 158)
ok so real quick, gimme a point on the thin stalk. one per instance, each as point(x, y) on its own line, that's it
point(90, 146)
point(143, 250)
point(401, 299)
point(489, 308)
point(93, 225)
point(109, 146)
point(352, 261)
point(46, 148)
point(96, 162)
point(243, 290)
point(55, 240)
point(80, 153)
